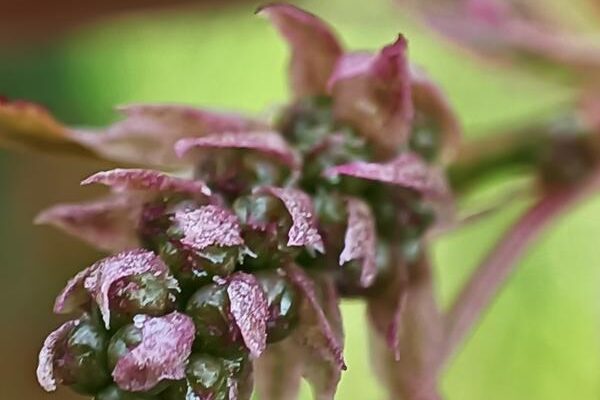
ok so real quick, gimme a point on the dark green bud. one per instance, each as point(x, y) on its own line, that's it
point(140, 294)
point(193, 269)
point(80, 362)
point(207, 376)
point(284, 304)
point(234, 172)
point(216, 332)
point(122, 342)
point(266, 224)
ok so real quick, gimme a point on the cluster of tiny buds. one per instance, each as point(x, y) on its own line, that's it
point(208, 274)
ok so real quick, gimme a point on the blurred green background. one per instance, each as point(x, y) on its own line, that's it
point(539, 340)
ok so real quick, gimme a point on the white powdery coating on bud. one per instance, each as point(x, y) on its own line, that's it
point(269, 143)
point(128, 263)
point(208, 226)
point(147, 180)
point(162, 354)
point(304, 230)
point(250, 310)
point(360, 240)
point(45, 369)
point(407, 170)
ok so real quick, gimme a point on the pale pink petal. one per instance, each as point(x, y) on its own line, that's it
point(45, 369)
point(209, 226)
point(322, 338)
point(268, 143)
point(373, 94)
point(162, 354)
point(407, 170)
point(430, 101)
point(314, 47)
point(148, 133)
point(360, 239)
point(250, 310)
point(147, 180)
point(109, 223)
point(109, 270)
point(73, 295)
point(304, 230)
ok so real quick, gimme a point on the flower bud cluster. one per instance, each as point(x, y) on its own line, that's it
point(210, 276)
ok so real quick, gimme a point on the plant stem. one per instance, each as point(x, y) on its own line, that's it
point(493, 272)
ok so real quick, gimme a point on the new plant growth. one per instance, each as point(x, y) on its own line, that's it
point(230, 241)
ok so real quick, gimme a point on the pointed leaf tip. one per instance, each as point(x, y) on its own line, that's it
point(162, 354)
point(45, 369)
point(314, 47)
point(304, 230)
point(360, 240)
point(147, 180)
point(250, 311)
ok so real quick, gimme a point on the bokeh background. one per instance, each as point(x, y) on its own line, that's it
point(540, 340)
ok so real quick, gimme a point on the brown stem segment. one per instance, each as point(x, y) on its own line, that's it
point(493, 272)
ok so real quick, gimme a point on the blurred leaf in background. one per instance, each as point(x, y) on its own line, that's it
point(540, 339)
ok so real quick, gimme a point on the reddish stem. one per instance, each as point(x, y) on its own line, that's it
point(493, 272)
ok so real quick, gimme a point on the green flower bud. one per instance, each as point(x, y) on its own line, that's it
point(207, 376)
point(122, 342)
point(307, 122)
point(140, 294)
point(80, 362)
point(265, 223)
point(284, 303)
point(216, 332)
point(193, 269)
point(234, 172)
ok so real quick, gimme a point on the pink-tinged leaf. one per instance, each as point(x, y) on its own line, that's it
point(278, 371)
point(148, 133)
point(162, 354)
point(360, 239)
point(526, 35)
point(105, 272)
point(73, 295)
point(304, 230)
point(406, 332)
point(28, 125)
point(250, 310)
point(108, 224)
point(208, 226)
point(147, 181)
point(326, 342)
point(373, 94)
point(407, 170)
point(324, 376)
point(314, 47)
point(45, 369)
point(319, 335)
point(270, 144)
point(431, 103)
